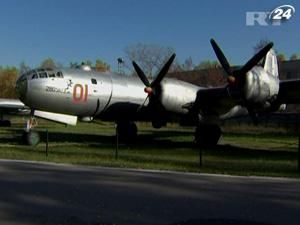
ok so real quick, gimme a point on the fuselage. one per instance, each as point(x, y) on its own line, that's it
point(107, 96)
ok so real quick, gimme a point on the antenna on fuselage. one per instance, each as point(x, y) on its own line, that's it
point(120, 65)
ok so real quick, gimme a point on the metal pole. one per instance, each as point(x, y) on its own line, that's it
point(200, 157)
point(117, 142)
point(47, 140)
point(299, 154)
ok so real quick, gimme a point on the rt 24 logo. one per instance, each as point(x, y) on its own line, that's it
point(275, 17)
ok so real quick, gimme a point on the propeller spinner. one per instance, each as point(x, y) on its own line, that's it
point(150, 87)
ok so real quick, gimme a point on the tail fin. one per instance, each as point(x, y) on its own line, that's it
point(271, 63)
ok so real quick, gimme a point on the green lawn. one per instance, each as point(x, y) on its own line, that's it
point(267, 153)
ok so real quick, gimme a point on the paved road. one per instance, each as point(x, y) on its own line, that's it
point(40, 193)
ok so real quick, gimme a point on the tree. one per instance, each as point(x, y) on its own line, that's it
point(49, 63)
point(8, 77)
point(101, 66)
point(294, 56)
point(23, 68)
point(281, 57)
point(74, 65)
point(259, 45)
point(149, 57)
point(188, 64)
point(207, 64)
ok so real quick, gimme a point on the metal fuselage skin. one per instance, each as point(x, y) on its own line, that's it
point(260, 86)
point(107, 96)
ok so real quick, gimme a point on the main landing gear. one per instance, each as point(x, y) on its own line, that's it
point(127, 131)
point(207, 135)
point(31, 137)
point(5, 123)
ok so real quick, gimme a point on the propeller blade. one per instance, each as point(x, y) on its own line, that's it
point(255, 59)
point(142, 105)
point(163, 71)
point(221, 57)
point(141, 74)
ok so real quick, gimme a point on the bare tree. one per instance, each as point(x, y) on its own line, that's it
point(207, 64)
point(23, 68)
point(48, 63)
point(188, 64)
point(260, 44)
point(149, 57)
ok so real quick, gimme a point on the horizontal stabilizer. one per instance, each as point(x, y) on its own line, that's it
point(57, 117)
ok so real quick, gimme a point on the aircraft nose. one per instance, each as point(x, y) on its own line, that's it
point(21, 87)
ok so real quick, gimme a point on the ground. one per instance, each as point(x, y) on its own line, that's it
point(243, 150)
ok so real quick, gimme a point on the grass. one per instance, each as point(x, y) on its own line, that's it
point(257, 152)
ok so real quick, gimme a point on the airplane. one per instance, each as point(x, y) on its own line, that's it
point(66, 95)
point(11, 107)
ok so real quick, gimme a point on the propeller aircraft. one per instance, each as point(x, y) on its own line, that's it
point(66, 95)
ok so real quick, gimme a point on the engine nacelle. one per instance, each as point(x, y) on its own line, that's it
point(261, 88)
point(176, 94)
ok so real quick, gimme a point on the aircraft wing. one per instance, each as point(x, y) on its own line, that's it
point(289, 92)
point(214, 100)
point(13, 106)
point(218, 100)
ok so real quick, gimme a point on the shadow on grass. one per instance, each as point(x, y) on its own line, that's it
point(174, 147)
point(148, 139)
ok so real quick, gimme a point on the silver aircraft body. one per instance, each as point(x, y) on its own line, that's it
point(90, 94)
point(65, 95)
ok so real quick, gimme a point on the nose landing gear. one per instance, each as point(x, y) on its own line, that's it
point(31, 137)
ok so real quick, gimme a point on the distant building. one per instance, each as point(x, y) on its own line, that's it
point(289, 69)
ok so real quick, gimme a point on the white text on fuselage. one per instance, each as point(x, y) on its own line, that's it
point(57, 90)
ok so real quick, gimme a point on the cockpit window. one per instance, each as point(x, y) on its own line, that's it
point(34, 76)
point(51, 74)
point(59, 74)
point(43, 75)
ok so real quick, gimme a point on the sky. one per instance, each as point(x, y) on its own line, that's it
point(77, 30)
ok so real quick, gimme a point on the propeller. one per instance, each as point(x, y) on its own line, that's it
point(238, 76)
point(152, 88)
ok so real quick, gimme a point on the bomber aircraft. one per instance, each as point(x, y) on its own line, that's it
point(66, 95)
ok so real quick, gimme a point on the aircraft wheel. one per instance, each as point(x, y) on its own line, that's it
point(31, 138)
point(207, 135)
point(127, 131)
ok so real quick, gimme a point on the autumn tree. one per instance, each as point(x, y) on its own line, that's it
point(101, 66)
point(149, 57)
point(281, 57)
point(8, 77)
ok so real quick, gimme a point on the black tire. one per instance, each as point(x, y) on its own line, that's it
point(127, 131)
point(31, 138)
point(207, 135)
